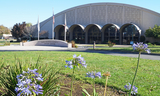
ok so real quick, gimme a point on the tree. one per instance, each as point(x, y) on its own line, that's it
point(28, 24)
point(4, 30)
point(18, 31)
point(28, 31)
point(153, 32)
point(156, 31)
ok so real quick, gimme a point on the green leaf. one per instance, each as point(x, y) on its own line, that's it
point(84, 90)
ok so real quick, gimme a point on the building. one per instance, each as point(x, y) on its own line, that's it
point(102, 22)
point(7, 36)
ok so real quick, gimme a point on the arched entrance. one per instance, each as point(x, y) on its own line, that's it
point(78, 35)
point(67, 36)
point(59, 32)
point(130, 33)
point(110, 32)
point(94, 34)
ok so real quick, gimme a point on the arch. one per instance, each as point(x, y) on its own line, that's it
point(59, 32)
point(112, 34)
point(129, 32)
point(93, 33)
point(88, 26)
point(77, 33)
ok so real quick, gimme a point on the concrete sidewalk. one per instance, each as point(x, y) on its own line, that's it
point(32, 48)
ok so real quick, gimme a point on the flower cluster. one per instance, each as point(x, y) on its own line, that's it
point(134, 89)
point(94, 74)
point(76, 61)
point(141, 47)
point(27, 83)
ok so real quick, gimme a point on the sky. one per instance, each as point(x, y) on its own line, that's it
point(18, 11)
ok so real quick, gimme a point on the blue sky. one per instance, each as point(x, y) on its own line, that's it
point(18, 11)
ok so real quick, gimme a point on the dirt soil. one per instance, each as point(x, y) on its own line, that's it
point(77, 88)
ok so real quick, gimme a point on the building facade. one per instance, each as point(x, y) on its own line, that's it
point(102, 22)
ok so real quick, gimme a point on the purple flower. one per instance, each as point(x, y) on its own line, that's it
point(94, 74)
point(38, 89)
point(98, 74)
point(128, 86)
point(27, 83)
point(39, 79)
point(141, 47)
point(27, 91)
point(32, 71)
point(134, 89)
point(74, 56)
point(76, 61)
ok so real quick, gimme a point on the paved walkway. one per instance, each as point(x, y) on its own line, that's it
point(50, 48)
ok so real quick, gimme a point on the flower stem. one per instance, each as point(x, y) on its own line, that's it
point(105, 85)
point(72, 80)
point(94, 87)
point(135, 74)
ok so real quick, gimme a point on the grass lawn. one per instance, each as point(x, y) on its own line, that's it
point(8, 43)
point(154, 49)
point(122, 69)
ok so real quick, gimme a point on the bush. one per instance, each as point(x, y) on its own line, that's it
point(7, 43)
point(110, 44)
point(149, 43)
point(76, 46)
point(73, 44)
point(153, 32)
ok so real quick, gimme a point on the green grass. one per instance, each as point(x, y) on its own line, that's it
point(7, 43)
point(121, 68)
point(92, 44)
point(154, 49)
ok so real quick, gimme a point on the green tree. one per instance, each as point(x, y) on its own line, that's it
point(4, 30)
point(18, 31)
point(28, 24)
point(153, 32)
point(28, 30)
point(156, 31)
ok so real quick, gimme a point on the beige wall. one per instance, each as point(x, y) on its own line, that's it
point(152, 40)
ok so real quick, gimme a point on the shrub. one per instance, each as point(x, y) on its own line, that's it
point(153, 32)
point(110, 44)
point(74, 44)
point(149, 43)
point(7, 43)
